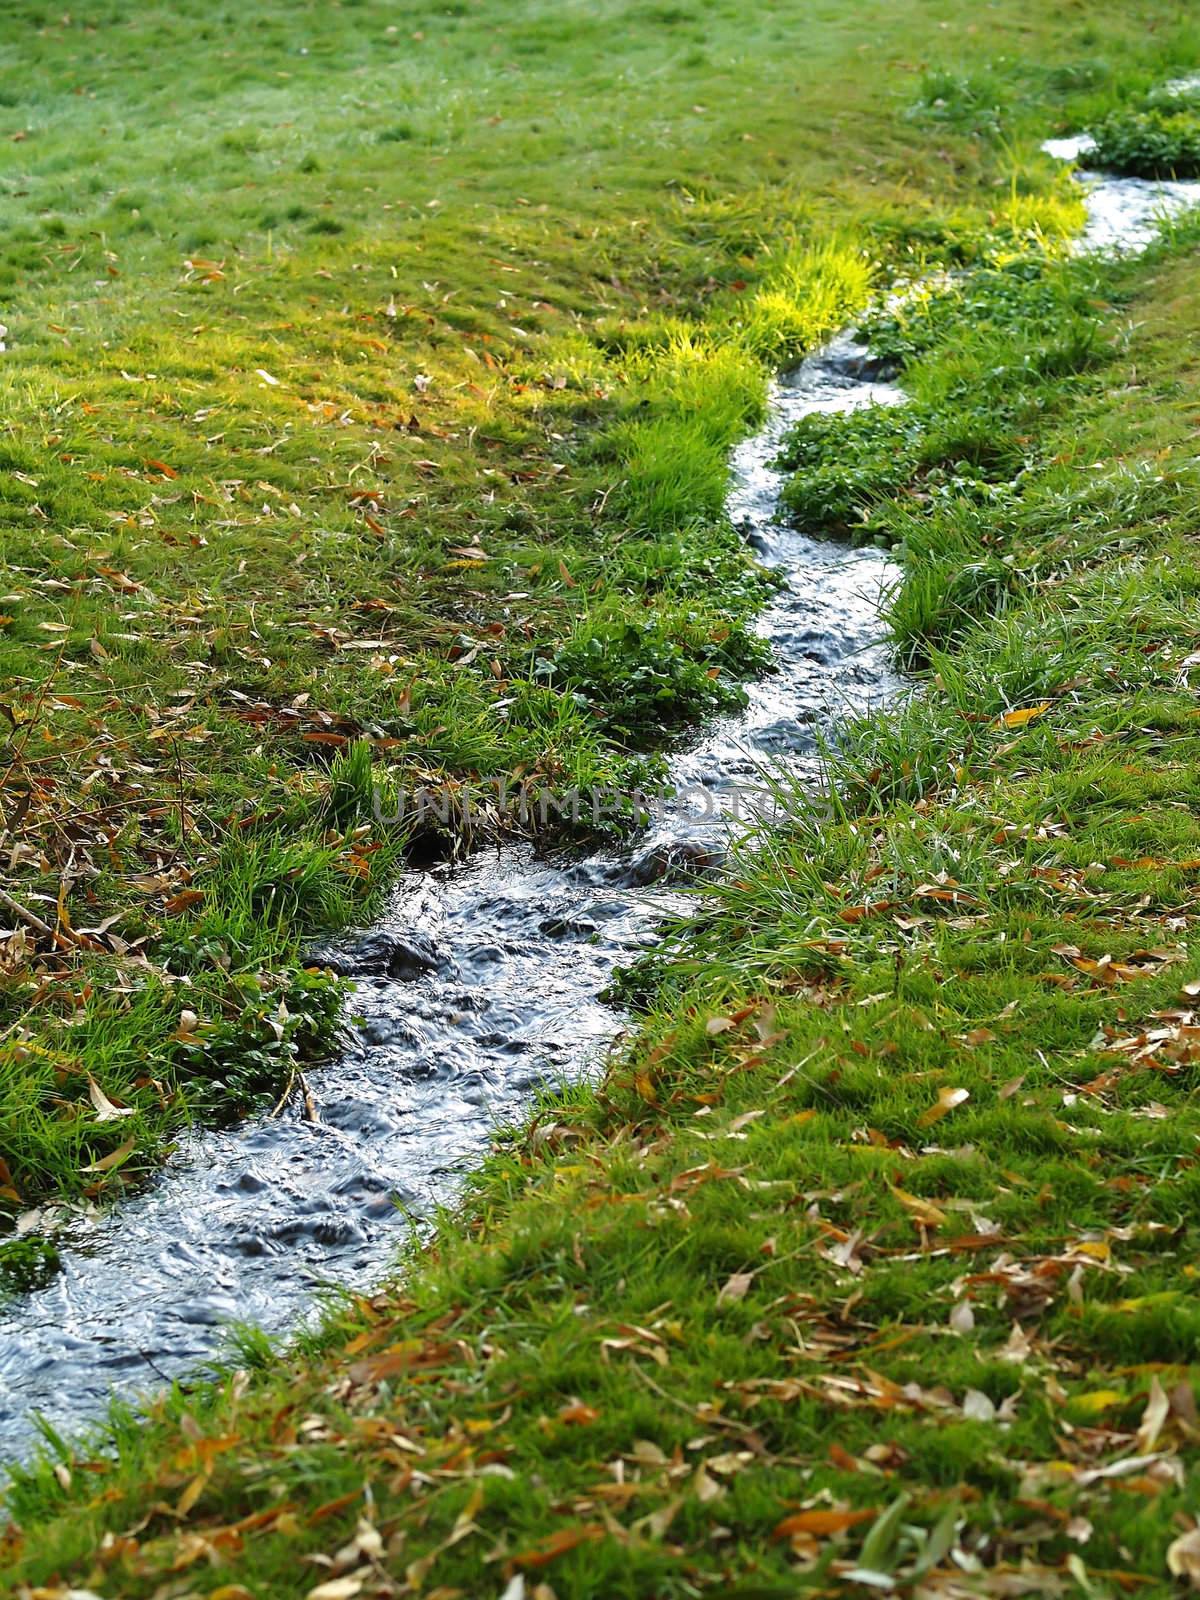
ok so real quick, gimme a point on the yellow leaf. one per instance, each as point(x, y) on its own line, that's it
point(190, 1495)
point(1095, 1402)
point(114, 1158)
point(1020, 719)
point(922, 1211)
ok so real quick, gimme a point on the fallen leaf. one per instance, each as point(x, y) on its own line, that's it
point(978, 1407)
point(105, 1110)
point(1019, 719)
point(191, 1494)
point(962, 1318)
point(1017, 1347)
point(340, 1588)
point(735, 1288)
point(946, 1101)
point(579, 1414)
point(1183, 1557)
point(558, 1544)
point(185, 898)
point(114, 1158)
point(822, 1523)
point(922, 1211)
point(1158, 1409)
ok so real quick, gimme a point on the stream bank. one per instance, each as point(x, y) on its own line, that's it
point(248, 1224)
point(517, 949)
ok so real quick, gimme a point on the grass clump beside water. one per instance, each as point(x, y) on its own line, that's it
point(986, 355)
point(870, 1264)
point(1156, 143)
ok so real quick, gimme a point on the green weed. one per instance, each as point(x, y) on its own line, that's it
point(1157, 143)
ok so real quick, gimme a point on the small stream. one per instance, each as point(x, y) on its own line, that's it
point(480, 985)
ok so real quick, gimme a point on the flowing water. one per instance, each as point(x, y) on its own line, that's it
point(481, 983)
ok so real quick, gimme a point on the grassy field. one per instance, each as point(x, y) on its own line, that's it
point(369, 391)
point(871, 1265)
point(367, 399)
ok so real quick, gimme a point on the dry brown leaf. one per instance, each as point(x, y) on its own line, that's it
point(181, 901)
point(557, 1544)
point(114, 1158)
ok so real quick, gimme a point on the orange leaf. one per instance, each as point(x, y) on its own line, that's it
point(185, 898)
point(579, 1414)
point(557, 1545)
point(821, 1523)
point(857, 913)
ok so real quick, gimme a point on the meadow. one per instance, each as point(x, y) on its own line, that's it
point(371, 380)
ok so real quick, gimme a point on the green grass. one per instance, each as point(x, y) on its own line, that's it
point(875, 1250)
point(371, 386)
point(986, 355)
point(1158, 143)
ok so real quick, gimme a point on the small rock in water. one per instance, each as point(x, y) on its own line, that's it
point(403, 956)
point(671, 861)
point(857, 361)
